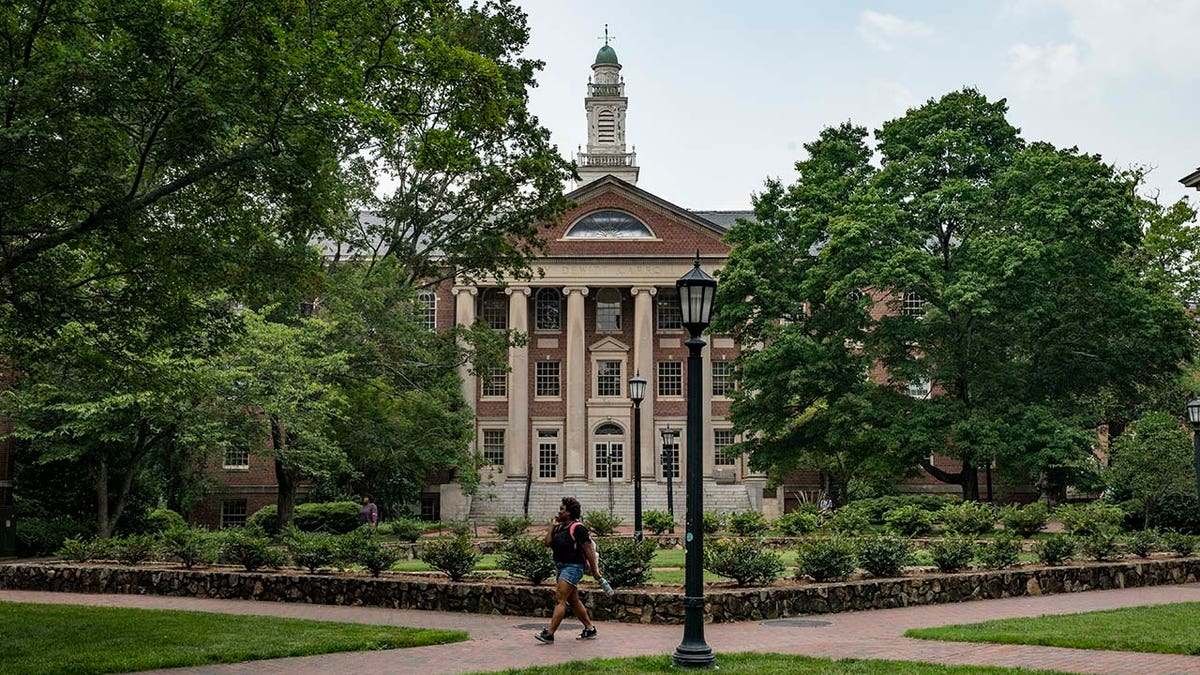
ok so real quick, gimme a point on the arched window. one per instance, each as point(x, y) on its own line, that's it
point(610, 451)
point(609, 224)
point(549, 309)
point(427, 309)
point(913, 305)
point(606, 127)
point(494, 309)
point(608, 310)
point(609, 430)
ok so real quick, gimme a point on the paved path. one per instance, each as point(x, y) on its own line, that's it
point(498, 643)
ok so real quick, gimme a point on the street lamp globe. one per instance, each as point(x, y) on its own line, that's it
point(696, 292)
point(1193, 413)
point(637, 388)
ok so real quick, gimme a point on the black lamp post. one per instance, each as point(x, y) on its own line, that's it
point(696, 292)
point(668, 464)
point(637, 392)
point(604, 455)
point(1193, 415)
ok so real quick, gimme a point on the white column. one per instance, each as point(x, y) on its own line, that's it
point(643, 363)
point(464, 315)
point(516, 455)
point(576, 423)
point(706, 426)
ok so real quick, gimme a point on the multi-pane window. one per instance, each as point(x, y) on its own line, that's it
point(493, 447)
point(721, 384)
point(427, 309)
point(608, 309)
point(496, 384)
point(913, 305)
point(919, 388)
point(722, 439)
point(236, 458)
point(670, 458)
point(670, 378)
point(549, 309)
point(494, 308)
point(233, 513)
point(547, 453)
point(669, 316)
point(608, 378)
point(610, 453)
point(547, 379)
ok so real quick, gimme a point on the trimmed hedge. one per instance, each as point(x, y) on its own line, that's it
point(332, 517)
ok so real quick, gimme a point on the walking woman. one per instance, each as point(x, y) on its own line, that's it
point(574, 554)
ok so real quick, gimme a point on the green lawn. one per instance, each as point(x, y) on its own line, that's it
point(1165, 629)
point(782, 664)
point(80, 640)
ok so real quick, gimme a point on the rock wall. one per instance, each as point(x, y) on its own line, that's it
point(634, 606)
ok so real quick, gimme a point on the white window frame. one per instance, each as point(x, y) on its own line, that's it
point(498, 388)
point(241, 453)
point(604, 307)
point(539, 378)
point(718, 449)
point(913, 305)
point(487, 445)
point(662, 379)
point(726, 377)
point(229, 517)
point(667, 297)
point(620, 381)
point(539, 298)
point(427, 309)
point(548, 439)
point(493, 308)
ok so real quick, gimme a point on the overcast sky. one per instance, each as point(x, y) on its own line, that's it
point(724, 94)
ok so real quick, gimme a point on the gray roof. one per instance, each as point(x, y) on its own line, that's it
point(724, 219)
point(1192, 180)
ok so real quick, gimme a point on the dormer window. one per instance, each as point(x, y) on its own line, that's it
point(609, 224)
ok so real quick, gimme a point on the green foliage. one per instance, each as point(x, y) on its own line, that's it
point(910, 520)
point(250, 548)
point(79, 549)
point(191, 546)
point(407, 529)
point(508, 527)
point(877, 508)
point(161, 520)
point(847, 520)
point(134, 549)
point(884, 556)
point(311, 550)
point(748, 524)
point(1182, 544)
point(265, 519)
point(1143, 542)
point(968, 518)
point(826, 558)
point(627, 562)
point(452, 555)
point(332, 517)
point(1101, 545)
point(1089, 518)
point(44, 536)
point(744, 560)
point(528, 558)
point(458, 528)
point(1001, 552)
point(1026, 520)
point(796, 523)
point(373, 555)
point(713, 522)
point(657, 522)
point(601, 523)
point(1054, 551)
point(952, 554)
point(1152, 462)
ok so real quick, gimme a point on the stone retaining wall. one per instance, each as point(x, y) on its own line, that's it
point(633, 606)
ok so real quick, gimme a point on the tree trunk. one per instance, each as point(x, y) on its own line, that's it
point(100, 473)
point(286, 477)
point(969, 480)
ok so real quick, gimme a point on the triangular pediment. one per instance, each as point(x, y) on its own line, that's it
point(614, 185)
point(608, 344)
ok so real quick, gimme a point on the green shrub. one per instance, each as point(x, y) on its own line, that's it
point(78, 549)
point(826, 559)
point(265, 519)
point(312, 550)
point(1089, 518)
point(884, 556)
point(797, 523)
point(847, 520)
point(407, 529)
point(1054, 551)
point(1102, 545)
point(909, 520)
point(458, 528)
point(1143, 542)
point(134, 549)
point(748, 524)
point(528, 558)
point(509, 527)
point(627, 562)
point(1001, 552)
point(332, 517)
point(601, 523)
point(876, 508)
point(250, 548)
point(657, 522)
point(451, 555)
point(373, 555)
point(713, 522)
point(1182, 544)
point(745, 560)
point(952, 554)
point(190, 545)
point(968, 518)
point(44, 536)
point(161, 520)
point(1027, 520)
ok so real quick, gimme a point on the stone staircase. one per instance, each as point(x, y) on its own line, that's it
point(507, 499)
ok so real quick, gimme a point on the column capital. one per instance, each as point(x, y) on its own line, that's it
point(650, 290)
point(473, 290)
point(582, 290)
point(511, 290)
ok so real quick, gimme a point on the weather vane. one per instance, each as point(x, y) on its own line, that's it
point(606, 37)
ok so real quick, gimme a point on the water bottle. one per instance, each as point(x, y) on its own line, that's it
point(607, 587)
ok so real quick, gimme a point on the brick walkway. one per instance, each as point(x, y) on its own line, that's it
point(497, 643)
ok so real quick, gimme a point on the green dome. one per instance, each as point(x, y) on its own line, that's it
point(606, 55)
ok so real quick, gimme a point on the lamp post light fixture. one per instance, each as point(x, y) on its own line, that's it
point(696, 292)
point(668, 464)
point(1193, 415)
point(637, 392)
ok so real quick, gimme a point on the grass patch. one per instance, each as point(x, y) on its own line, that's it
point(1160, 629)
point(783, 664)
point(79, 640)
point(489, 562)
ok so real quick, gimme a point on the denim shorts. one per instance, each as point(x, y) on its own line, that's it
point(571, 573)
